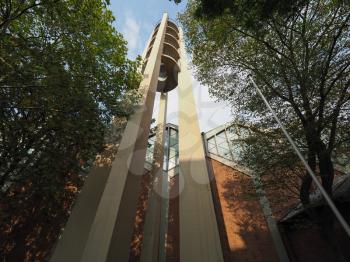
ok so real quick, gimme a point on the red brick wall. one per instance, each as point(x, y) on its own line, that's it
point(243, 229)
point(173, 241)
point(136, 242)
point(244, 223)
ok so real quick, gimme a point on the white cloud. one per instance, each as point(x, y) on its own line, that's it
point(131, 32)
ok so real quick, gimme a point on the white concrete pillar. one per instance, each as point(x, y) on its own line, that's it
point(111, 232)
point(199, 235)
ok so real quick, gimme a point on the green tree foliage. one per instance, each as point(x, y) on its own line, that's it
point(249, 13)
point(300, 61)
point(64, 74)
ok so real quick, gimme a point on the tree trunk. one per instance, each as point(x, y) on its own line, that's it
point(326, 170)
point(327, 217)
point(307, 180)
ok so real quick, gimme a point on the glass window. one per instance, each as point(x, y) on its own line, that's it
point(224, 152)
point(213, 151)
point(220, 138)
point(221, 134)
point(173, 132)
point(211, 143)
point(172, 163)
point(173, 141)
point(211, 146)
point(172, 152)
point(223, 148)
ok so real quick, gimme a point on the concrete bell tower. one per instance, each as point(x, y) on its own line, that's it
point(109, 234)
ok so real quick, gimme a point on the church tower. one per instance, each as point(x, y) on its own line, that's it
point(110, 230)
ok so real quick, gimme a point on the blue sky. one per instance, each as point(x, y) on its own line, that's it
point(135, 19)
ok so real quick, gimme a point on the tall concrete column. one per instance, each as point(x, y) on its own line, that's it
point(151, 236)
point(111, 232)
point(199, 236)
point(106, 236)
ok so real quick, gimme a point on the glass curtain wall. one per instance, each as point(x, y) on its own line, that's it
point(227, 142)
point(171, 148)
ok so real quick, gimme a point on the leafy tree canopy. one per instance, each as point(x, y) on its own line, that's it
point(64, 75)
point(301, 63)
point(248, 13)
